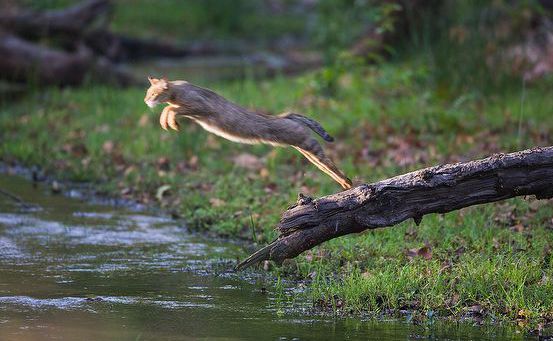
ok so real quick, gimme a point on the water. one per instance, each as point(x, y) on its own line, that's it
point(74, 270)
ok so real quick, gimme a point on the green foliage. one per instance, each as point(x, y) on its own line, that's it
point(465, 41)
point(341, 23)
point(194, 20)
point(199, 20)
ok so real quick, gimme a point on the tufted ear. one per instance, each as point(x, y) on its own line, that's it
point(153, 80)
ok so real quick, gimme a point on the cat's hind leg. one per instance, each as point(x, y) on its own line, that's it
point(313, 151)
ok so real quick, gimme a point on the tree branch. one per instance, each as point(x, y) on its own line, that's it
point(438, 189)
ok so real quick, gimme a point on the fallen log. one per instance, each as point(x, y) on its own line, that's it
point(21, 61)
point(121, 48)
point(438, 189)
point(71, 21)
point(86, 23)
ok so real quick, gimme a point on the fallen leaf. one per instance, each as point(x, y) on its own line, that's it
point(77, 134)
point(248, 161)
point(453, 300)
point(264, 173)
point(216, 202)
point(163, 164)
point(496, 244)
point(459, 251)
point(76, 149)
point(424, 252)
point(270, 188)
point(475, 309)
point(518, 228)
point(129, 170)
point(86, 161)
point(108, 146)
point(103, 128)
point(193, 162)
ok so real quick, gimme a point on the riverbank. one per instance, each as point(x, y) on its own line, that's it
point(491, 262)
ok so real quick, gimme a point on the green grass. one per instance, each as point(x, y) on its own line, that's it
point(387, 120)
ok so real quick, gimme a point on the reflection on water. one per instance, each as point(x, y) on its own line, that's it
point(73, 270)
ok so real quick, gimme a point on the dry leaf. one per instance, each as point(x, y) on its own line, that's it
point(264, 173)
point(248, 161)
point(216, 202)
point(163, 164)
point(108, 147)
point(424, 252)
point(76, 149)
point(193, 162)
point(518, 228)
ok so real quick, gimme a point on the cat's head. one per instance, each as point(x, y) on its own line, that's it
point(158, 92)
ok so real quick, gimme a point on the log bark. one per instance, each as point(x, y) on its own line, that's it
point(438, 189)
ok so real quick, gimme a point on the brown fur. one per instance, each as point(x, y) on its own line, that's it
point(224, 118)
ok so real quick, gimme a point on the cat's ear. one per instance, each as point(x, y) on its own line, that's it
point(164, 82)
point(153, 80)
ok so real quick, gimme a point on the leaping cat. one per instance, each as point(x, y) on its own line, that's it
point(226, 119)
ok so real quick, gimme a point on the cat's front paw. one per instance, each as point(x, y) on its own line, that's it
point(167, 119)
point(172, 120)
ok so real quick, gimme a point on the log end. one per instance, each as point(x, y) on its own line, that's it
point(257, 257)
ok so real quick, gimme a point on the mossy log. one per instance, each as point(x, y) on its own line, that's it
point(438, 189)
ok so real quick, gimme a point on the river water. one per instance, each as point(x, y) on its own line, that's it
point(71, 269)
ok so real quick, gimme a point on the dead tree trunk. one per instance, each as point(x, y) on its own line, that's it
point(438, 189)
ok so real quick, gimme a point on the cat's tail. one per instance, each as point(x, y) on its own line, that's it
point(312, 124)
